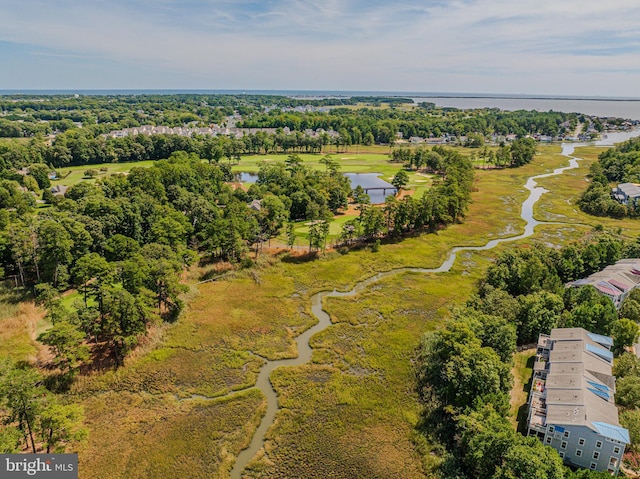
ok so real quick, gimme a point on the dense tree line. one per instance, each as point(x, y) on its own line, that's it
point(622, 163)
point(31, 417)
point(381, 125)
point(627, 371)
point(305, 193)
point(122, 242)
point(527, 287)
point(518, 153)
point(446, 202)
point(463, 370)
point(86, 146)
point(79, 124)
point(615, 165)
point(26, 116)
point(464, 382)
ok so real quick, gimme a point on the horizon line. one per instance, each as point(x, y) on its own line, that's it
point(305, 93)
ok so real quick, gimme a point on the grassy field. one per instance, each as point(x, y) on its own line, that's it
point(522, 371)
point(360, 159)
point(144, 436)
point(73, 175)
point(184, 402)
point(19, 323)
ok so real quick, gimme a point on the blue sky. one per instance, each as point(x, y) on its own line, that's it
point(562, 47)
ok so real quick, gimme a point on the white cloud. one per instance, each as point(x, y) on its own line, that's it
point(573, 46)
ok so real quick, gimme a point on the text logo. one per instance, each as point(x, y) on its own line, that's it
point(45, 466)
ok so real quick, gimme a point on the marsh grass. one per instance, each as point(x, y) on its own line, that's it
point(143, 436)
point(561, 205)
point(20, 321)
point(356, 397)
point(352, 411)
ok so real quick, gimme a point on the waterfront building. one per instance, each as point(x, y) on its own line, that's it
point(571, 404)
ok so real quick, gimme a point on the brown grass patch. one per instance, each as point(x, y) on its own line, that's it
point(19, 331)
point(147, 436)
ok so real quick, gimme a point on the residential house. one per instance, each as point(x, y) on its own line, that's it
point(571, 404)
point(627, 193)
point(615, 281)
point(256, 205)
point(59, 190)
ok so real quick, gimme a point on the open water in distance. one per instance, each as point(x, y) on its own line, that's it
point(617, 107)
point(628, 109)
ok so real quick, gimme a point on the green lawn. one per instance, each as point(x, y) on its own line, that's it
point(522, 372)
point(349, 162)
point(73, 175)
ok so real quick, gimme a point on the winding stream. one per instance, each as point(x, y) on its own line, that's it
point(324, 321)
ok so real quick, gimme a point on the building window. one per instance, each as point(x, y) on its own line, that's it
point(566, 434)
point(563, 445)
point(561, 454)
point(551, 429)
point(616, 450)
point(596, 454)
point(593, 466)
point(578, 452)
point(598, 444)
point(548, 440)
point(581, 441)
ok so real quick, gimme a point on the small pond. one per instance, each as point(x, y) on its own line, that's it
point(376, 188)
point(244, 177)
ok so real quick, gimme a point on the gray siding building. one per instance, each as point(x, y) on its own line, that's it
point(571, 404)
point(627, 193)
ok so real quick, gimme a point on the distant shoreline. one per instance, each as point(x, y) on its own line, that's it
point(310, 93)
point(554, 98)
